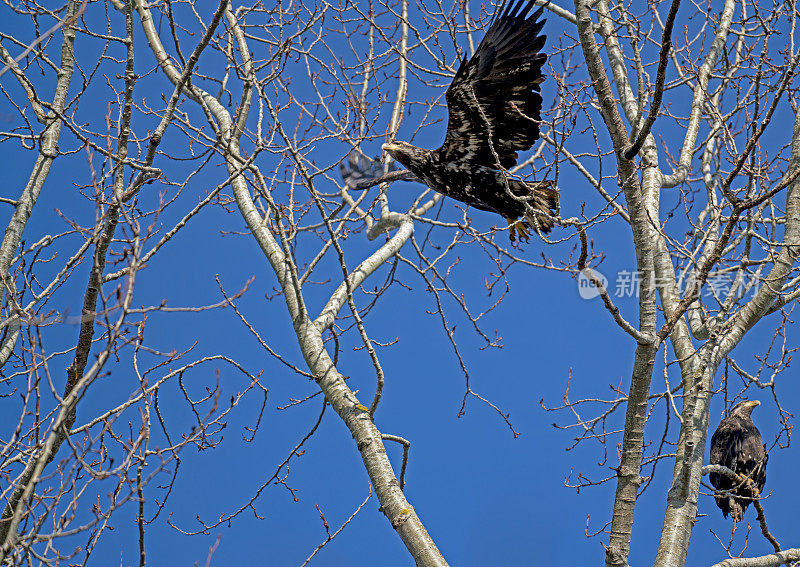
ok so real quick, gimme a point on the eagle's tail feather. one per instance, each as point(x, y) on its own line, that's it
point(724, 504)
point(736, 509)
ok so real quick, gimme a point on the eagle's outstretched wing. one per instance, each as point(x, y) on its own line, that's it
point(495, 95)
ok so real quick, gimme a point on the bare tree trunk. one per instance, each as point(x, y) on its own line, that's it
point(682, 498)
point(355, 415)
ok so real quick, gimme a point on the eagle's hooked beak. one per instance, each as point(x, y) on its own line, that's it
point(395, 150)
point(751, 405)
point(391, 148)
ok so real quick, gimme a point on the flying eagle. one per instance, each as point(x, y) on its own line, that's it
point(737, 445)
point(493, 104)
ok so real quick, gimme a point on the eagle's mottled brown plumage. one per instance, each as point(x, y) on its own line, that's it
point(494, 106)
point(737, 445)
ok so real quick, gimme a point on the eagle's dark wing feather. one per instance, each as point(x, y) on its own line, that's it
point(725, 446)
point(495, 95)
point(753, 459)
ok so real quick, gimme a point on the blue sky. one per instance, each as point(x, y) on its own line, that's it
point(486, 497)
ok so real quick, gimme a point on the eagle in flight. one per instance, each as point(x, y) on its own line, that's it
point(493, 103)
point(737, 445)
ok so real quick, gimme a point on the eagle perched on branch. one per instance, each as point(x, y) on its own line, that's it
point(737, 445)
point(493, 103)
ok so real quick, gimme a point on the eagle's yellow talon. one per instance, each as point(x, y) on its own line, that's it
point(518, 228)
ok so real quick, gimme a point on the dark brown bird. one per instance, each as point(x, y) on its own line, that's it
point(737, 445)
point(494, 105)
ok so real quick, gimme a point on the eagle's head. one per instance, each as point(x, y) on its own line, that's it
point(745, 408)
point(405, 153)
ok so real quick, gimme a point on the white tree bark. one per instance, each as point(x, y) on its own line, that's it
point(353, 413)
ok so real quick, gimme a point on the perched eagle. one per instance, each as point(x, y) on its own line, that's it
point(494, 104)
point(737, 445)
